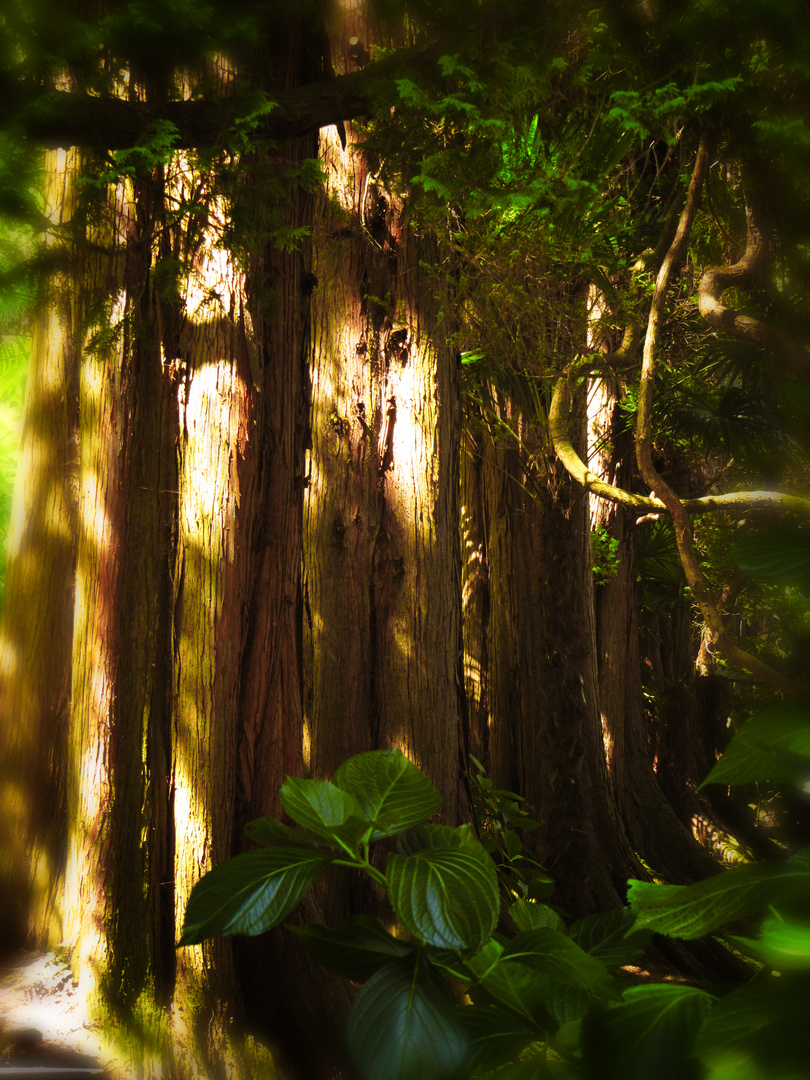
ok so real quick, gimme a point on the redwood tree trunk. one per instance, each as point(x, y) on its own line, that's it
point(185, 712)
point(382, 617)
point(544, 734)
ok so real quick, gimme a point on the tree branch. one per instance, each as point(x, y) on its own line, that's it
point(717, 279)
point(645, 504)
point(63, 118)
point(720, 637)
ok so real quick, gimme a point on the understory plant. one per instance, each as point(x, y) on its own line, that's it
point(463, 985)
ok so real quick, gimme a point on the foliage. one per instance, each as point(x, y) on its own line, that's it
point(605, 555)
point(451, 993)
point(14, 355)
point(16, 305)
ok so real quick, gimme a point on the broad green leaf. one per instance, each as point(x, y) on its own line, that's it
point(394, 795)
point(649, 1035)
point(774, 745)
point(690, 911)
point(427, 837)
point(784, 945)
point(520, 989)
point(571, 979)
point(249, 894)
point(273, 833)
point(355, 949)
point(447, 897)
point(605, 937)
point(758, 1031)
point(401, 1026)
point(485, 960)
point(495, 1035)
point(324, 809)
point(530, 916)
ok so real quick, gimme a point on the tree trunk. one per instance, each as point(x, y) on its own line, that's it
point(37, 614)
point(382, 567)
point(185, 711)
point(652, 826)
point(544, 737)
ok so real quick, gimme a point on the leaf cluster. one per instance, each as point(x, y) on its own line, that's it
point(450, 995)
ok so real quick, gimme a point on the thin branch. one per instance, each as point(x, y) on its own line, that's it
point(645, 504)
point(717, 279)
point(720, 636)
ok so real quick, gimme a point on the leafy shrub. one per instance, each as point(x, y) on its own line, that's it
point(451, 995)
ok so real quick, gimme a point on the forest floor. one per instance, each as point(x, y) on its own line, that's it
point(42, 1025)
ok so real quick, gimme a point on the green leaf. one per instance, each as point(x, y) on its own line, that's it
point(249, 894)
point(433, 837)
point(690, 911)
point(650, 1034)
point(273, 833)
point(394, 795)
point(446, 896)
point(605, 937)
point(356, 948)
point(758, 1032)
point(520, 989)
point(783, 945)
point(401, 1026)
point(774, 745)
point(570, 980)
point(495, 1035)
point(530, 916)
point(324, 809)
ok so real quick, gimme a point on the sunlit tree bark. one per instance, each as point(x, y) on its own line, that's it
point(382, 570)
point(37, 615)
point(185, 712)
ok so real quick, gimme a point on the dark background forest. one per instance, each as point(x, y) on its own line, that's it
point(418, 376)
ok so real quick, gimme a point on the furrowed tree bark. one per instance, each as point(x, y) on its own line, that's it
point(37, 614)
point(119, 845)
point(545, 739)
point(382, 566)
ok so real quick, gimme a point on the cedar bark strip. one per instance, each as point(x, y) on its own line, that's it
point(543, 734)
